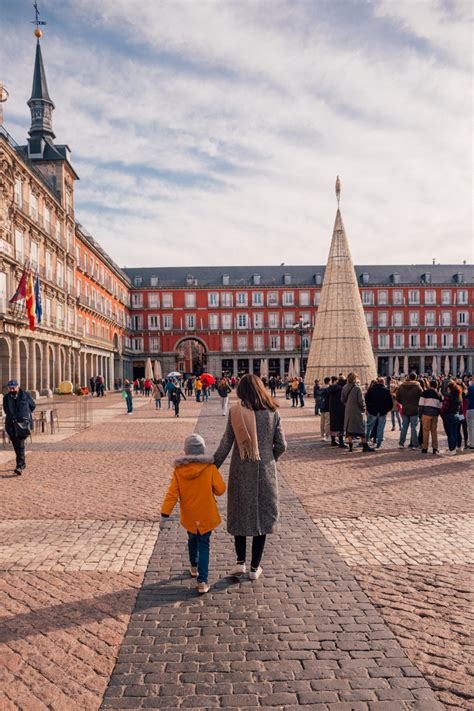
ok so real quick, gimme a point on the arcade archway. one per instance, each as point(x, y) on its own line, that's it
point(191, 356)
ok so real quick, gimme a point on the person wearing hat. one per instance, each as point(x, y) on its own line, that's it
point(18, 406)
point(196, 481)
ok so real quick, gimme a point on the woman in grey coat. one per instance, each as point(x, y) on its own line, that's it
point(354, 420)
point(254, 429)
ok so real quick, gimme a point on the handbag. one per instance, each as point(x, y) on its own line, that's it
point(22, 427)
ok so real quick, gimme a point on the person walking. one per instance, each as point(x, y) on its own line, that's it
point(176, 396)
point(223, 390)
point(198, 389)
point(254, 432)
point(336, 412)
point(408, 395)
point(169, 387)
point(429, 408)
point(470, 414)
point(157, 393)
point(378, 401)
point(273, 386)
point(324, 409)
point(354, 424)
point(128, 396)
point(450, 412)
point(18, 406)
point(196, 482)
point(294, 391)
point(92, 385)
point(301, 391)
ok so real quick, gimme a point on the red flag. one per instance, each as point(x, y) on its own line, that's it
point(20, 292)
point(30, 301)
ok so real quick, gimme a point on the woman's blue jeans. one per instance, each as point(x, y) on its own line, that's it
point(198, 547)
point(129, 403)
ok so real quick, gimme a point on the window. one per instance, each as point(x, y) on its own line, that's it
point(78, 287)
point(274, 343)
point(365, 278)
point(154, 344)
point(317, 298)
point(397, 298)
point(19, 192)
point(414, 340)
point(446, 318)
point(154, 282)
point(213, 321)
point(137, 323)
point(48, 258)
point(153, 322)
point(137, 281)
point(397, 319)
point(242, 343)
point(154, 301)
point(383, 340)
point(59, 316)
point(226, 299)
point(289, 342)
point(463, 318)
point(272, 298)
point(190, 299)
point(34, 251)
point(84, 261)
point(430, 296)
point(33, 206)
point(368, 298)
point(60, 274)
point(258, 343)
point(462, 296)
point(241, 298)
point(137, 301)
point(462, 340)
point(413, 296)
point(190, 320)
point(19, 245)
point(213, 298)
point(382, 297)
point(242, 321)
point(78, 256)
point(383, 319)
point(167, 322)
point(288, 298)
point(273, 320)
point(447, 340)
point(256, 279)
point(414, 318)
point(258, 320)
point(137, 344)
point(398, 340)
point(430, 340)
point(226, 321)
point(47, 217)
point(70, 319)
point(289, 319)
point(306, 342)
point(304, 298)
point(257, 298)
point(225, 280)
point(227, 343)
point(91, 266)
point(47, 310)
point(430, 318)
point(167, 300)
point(446, 297)
point(369, 318)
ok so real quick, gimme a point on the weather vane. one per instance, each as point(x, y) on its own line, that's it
point(37, 21)
point(338, 190)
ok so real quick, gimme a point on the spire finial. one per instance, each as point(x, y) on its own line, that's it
point(338, 190)
point(37, 21)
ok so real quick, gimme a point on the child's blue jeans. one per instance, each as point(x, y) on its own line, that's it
point(198, 547)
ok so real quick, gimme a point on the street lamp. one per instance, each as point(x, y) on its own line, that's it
point(301, 327)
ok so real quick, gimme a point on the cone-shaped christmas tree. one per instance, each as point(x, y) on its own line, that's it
point(340, 342)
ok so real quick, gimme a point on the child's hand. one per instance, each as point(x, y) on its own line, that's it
point(164, 522)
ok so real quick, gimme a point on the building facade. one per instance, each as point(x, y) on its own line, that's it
point(238, 316)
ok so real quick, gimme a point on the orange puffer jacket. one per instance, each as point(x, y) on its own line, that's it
point(196, 481)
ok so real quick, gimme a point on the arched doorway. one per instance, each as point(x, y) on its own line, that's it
point(39, 367)
point(4, 362)
point(23, 365)
point(191, 356)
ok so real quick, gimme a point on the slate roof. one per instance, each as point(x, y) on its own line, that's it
point(379, 275)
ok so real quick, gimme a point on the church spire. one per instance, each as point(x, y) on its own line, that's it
point(40, 103)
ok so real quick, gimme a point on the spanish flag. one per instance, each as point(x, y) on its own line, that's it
point(30, 301)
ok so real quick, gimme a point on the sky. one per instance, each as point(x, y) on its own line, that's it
point(211, 132)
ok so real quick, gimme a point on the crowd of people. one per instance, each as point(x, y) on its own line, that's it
point(416, 405)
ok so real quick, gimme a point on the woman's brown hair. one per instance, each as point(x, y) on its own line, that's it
point(253, 394)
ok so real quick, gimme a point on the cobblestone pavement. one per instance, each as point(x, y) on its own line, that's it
point(371, 612)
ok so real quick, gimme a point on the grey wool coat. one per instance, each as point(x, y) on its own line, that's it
point(353, 399)
point(252, 493)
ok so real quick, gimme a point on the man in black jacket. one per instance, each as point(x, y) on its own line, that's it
point(18, 406)
point(378, 402)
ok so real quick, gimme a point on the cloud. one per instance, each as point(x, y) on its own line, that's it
point(207, 132)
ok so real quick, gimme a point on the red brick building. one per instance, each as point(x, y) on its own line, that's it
point(235, 316)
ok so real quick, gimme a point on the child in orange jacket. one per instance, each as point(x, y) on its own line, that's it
point(196, 480)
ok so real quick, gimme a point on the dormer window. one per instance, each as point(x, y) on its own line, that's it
point(459, 278)
point(225, 280)
point(256, 279)
point(426, 278)
point(137, 281)
point(365, 278)
point(318, 279)
point(286, 278)
point(395, 278)
point(153, 281)
point(189, 280)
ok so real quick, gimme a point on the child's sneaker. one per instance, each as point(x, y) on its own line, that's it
point(238, 569)
point(203, 588)
point(255, 574)
point(193, 572)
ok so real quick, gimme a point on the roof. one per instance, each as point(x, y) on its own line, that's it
point(39, 89)
point(243, 276)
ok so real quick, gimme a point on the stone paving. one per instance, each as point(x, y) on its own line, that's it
point(374, 612)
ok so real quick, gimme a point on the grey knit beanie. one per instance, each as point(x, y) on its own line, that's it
point(194, 445)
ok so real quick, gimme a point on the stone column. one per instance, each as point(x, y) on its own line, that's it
point(282, 367)
point(111, 371)
point(15, 361)
point(46, 385)
point(422, 364)
point(390, 365)
point(58, 366)
point(32, 368)
point(454, 364)
point(234, 367)
point(469, 364)
point(251, 365)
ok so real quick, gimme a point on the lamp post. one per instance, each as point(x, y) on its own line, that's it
point(301, 327)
